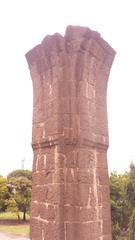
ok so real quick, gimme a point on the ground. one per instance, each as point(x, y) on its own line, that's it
point(6, 236)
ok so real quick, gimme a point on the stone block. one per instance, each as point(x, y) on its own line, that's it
point(70, 194)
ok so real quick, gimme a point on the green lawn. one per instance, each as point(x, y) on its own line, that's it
point(22, 230)
point(10, 215)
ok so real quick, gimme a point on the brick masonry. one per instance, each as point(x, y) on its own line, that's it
point(70, 196)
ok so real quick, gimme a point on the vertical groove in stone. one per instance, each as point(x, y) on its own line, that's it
point(70, 194)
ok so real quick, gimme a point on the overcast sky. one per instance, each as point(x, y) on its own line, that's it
point(23, 24)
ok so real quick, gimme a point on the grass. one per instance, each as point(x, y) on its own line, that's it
point(22, 230)
point(10, 215)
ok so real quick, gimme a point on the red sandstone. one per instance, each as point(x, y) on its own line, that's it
point(70, 196)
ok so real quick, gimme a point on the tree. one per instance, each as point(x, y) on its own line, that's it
point(131, 186)
point(12, 207)
point(19, 182)
point(120, 208)
point(4, 193)
point(115, 231)
point(131, 199)
point(21, 194)
point(131, 229)
point(20, 173)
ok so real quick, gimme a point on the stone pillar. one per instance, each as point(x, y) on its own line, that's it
point(70, 196)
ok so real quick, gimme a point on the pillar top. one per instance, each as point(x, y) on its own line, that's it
point(76, 38)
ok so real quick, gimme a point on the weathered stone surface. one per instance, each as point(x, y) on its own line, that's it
point(70, 196)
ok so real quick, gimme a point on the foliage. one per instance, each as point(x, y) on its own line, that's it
point(20, 173)
point(131, 186)
point(131, 229)
point(4, 194)
point(115, 231)
point(131, 200)
point(15, 192)
point(21, 195)
point(12, 207)
point(122, 194)
point(120, 208)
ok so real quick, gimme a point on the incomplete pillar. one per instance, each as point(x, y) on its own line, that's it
point(70, 196)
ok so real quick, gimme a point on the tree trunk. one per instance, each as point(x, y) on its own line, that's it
point(18, 217)
point(24, 216)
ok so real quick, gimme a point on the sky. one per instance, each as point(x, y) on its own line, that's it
point(23, 25)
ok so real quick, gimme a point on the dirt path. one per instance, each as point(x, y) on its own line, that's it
point(6, 236)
